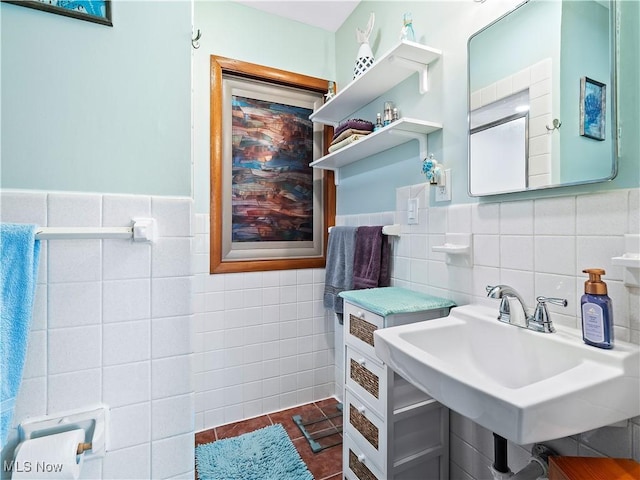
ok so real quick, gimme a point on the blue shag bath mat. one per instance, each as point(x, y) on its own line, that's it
point(265, 454)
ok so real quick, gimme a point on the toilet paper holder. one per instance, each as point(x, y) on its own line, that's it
point(94, 422)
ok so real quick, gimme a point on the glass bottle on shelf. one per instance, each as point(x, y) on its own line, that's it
point(378, 124)
point(388, 113)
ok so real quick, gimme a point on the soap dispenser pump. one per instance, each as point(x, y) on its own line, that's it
point(597, 313)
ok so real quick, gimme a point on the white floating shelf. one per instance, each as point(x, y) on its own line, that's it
point(386, 72)
point(399, 132)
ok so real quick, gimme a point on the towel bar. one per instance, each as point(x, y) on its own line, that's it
point(54, 233)
point(141, 230)
point(387, 229)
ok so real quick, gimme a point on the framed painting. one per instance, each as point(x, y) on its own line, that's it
point(593, 106)
point(97, 11)
point(269, 209)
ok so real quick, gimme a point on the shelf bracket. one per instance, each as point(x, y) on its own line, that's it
point(423, 77)
point(421, 68)
point(420, 137)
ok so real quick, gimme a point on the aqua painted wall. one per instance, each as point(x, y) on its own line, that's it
point(586, 51)
point(447, 26)
point(493, 58)
point(235, 31)
point(86, 107)
point(629, 94)
point(113, 113)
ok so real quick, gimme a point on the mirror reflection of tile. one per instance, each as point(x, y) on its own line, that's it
point(528, 90)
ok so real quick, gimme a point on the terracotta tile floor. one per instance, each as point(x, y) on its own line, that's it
point(324, 465)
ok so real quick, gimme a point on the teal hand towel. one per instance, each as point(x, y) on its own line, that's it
point(19, 253)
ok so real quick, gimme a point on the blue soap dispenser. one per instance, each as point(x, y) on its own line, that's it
point(597, 314)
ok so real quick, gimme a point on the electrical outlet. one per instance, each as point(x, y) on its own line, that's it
point(412, 211)
point(443, 194)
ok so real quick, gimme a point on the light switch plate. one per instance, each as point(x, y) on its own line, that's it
point(412, 211)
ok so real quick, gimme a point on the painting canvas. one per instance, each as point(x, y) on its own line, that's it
point(97, 11)
point(272, 183)
point(269, 209)
point(592, 108)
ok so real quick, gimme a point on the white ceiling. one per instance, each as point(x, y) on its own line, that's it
point(326, 14)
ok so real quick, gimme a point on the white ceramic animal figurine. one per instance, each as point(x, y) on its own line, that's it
point(365, 55)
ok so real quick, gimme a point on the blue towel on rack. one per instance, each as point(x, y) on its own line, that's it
point(19, 253)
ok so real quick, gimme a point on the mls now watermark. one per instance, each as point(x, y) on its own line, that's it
point(28, 467)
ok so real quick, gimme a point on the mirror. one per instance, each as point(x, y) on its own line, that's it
point(542, 97)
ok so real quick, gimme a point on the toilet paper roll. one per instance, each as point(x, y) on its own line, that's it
point(49, 457)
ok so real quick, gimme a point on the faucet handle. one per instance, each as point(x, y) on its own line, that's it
point(491, 290)
point(541, 320)
point(556, 301)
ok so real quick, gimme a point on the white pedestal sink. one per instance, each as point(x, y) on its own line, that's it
point(523, 385)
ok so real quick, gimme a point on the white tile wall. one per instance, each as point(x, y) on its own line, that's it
point(112, 318)
point(112, 324)
point(540, 247)
point(263, 340)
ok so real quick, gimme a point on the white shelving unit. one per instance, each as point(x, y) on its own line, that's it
point(392, 430)
point(389, 70)
point(394, 134)
point(393, 67)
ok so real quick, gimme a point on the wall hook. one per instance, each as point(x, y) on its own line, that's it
point(556, 125)
point(194, 41)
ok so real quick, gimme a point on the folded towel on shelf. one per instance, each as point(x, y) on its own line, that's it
point(339, 268)
point(347, 133)
point(19, 253)
point(371, 258)
point(356, 123)
point(347, 141)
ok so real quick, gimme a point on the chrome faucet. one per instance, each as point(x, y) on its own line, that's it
point(507, 314)
point(540, 321)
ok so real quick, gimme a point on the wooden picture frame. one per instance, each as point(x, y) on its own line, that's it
point(269, 209)
point(96, 11)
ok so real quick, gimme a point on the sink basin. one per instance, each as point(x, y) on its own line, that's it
point(525, 386)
